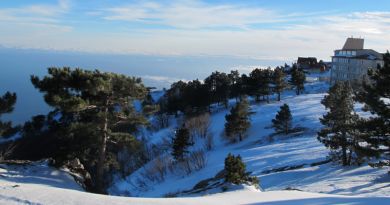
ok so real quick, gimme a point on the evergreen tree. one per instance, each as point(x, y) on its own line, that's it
point(260, 81)
point(94, 104)
point(7, 103)
point(195, 97)
point(245, 86)
point(180, 143)
point(235, 170)
point(279, 81)
point(174, 98)
point(375, 131)
point(235, 84)
point(237, 121)
point(283, 120)
point(339, 123)
point(218, 85)
point(298, 78)
point(149, 106)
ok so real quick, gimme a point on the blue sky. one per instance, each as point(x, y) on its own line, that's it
point(262, 29)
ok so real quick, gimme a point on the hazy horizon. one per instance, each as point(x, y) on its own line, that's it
point(155, 71)
point(164, 41)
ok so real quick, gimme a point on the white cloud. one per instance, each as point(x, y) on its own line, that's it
point(160, 81)
point(190, 14)
point(36, 14)
point(196, 29)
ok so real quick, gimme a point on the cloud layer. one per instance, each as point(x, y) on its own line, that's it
point(187, 27)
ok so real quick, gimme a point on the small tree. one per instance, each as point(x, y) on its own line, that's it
point(298, 78)
point(279, 81)
point(180, 143)
point(7, 103)
point(338, 133)
point(235, 169)
point(283, 120)
point(237, 122)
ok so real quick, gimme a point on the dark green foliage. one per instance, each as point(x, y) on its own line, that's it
point(7, 103)
point(283, 120)
point(97, 105)
point(189, 98)
point(260, 83)
point(149, 106)
point(235, 169)
point(297, 80)
point(375, 131)
point(194, 97)
point(218, 85)
point(237, 121)
point(278, 79)
point(180, 143)
point(339, 132)
point(174, 98)
point(235, 84)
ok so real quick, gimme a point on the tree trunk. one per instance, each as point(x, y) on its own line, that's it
point(240, 137)
point(345, 161)
point(349, 159)
point(286, 128)
point(102, 155)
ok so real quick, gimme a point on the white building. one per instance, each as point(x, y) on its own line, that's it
point(353, 61)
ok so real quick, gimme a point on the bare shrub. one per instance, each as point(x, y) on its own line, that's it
point(198, 159)
point(162, 120)
point(157, 169)
point(184, 166)
point(209, 142)
point(7, 151)
point(199, 126)
point(141, 184)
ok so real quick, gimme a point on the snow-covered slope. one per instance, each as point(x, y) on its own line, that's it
point(295, 162)
point(39, 184)
point(262, 155)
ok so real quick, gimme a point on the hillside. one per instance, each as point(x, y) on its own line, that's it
point(292, 169)
point(265, 156)
point(39, 184)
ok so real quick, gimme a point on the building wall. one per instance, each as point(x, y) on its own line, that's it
point(351, 69)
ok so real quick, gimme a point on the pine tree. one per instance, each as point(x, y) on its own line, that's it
point(94, 104)
point(149, 106)
point(298, 78)
point(283, 120)
point(180, 143)
point(260, 81)
point(7, 103)
point(339, 123)
point(235, 84)
point(237, 121)
point(375, 131)
point(279, 82)
point(235, 169)
point(218, 85)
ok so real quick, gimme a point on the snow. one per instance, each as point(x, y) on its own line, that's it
point(326, 183)
point(47, 191)
point(262, 154)
point(38, 173)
